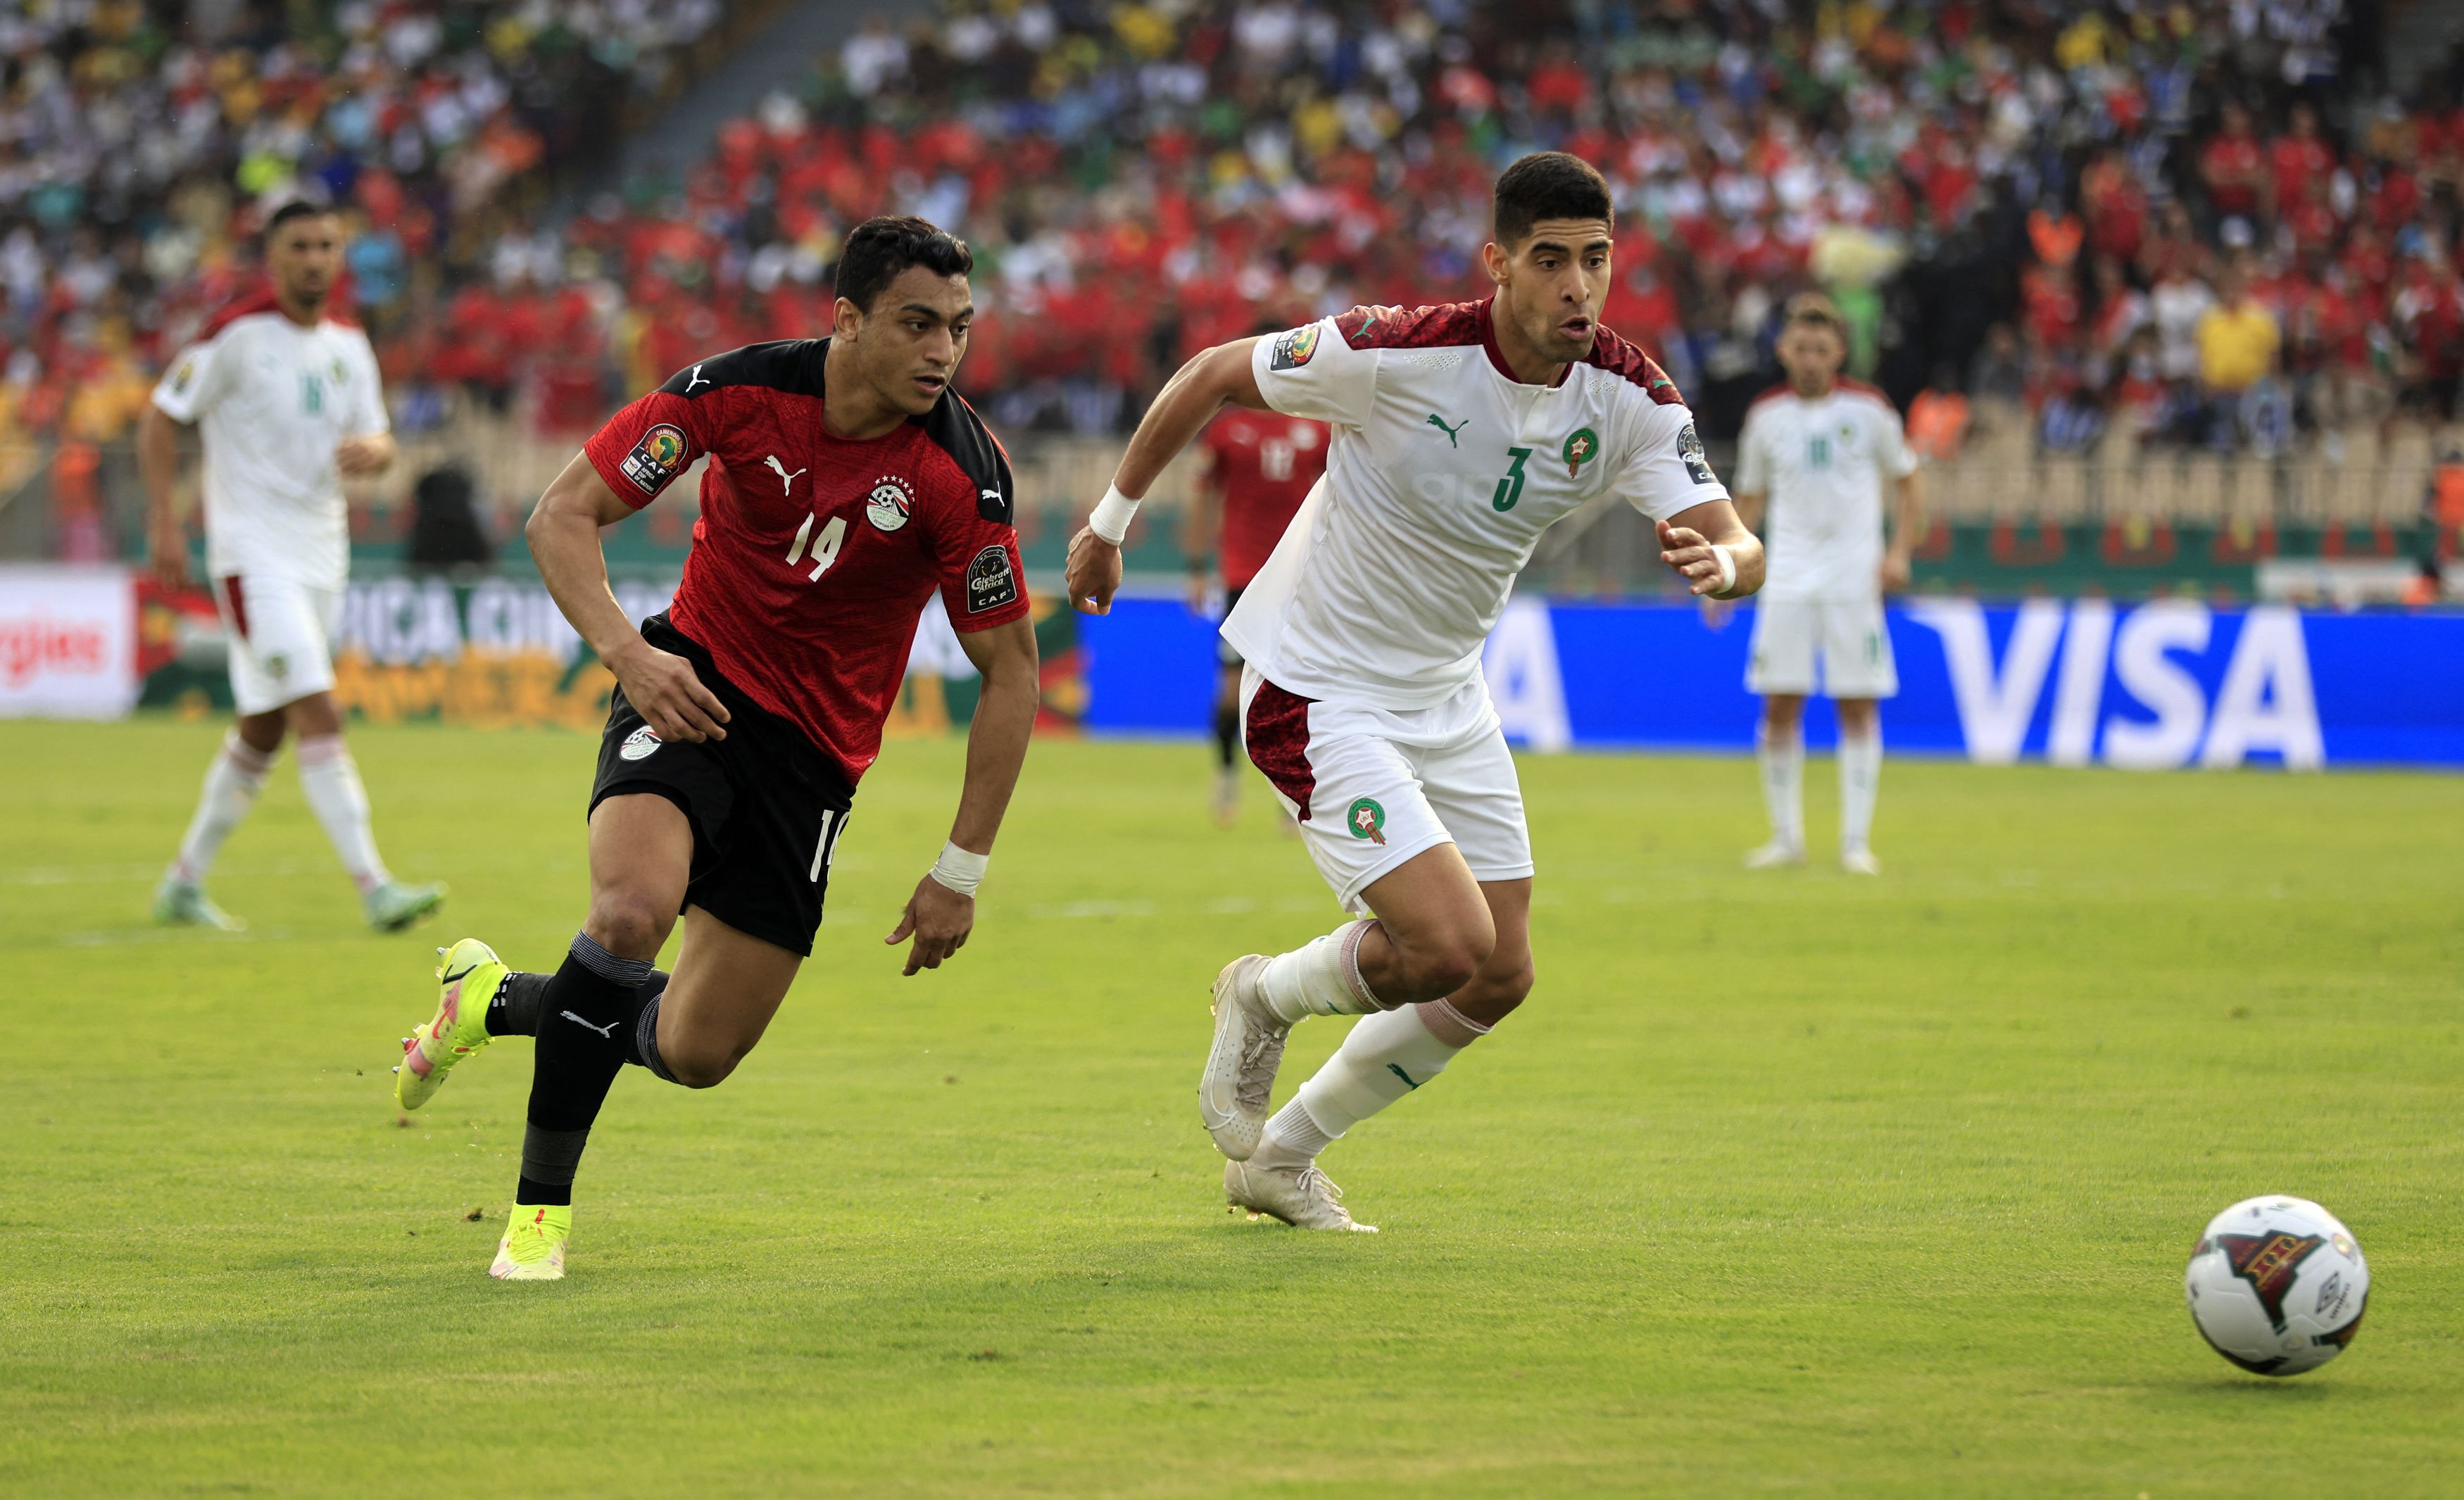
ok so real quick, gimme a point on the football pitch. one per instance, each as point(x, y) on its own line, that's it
point(1784, 1183)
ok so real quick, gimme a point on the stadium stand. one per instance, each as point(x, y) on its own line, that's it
point(2199, 258)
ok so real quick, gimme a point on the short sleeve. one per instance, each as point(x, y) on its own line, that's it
point(1313, 371)
point(1899, 459)
point(643, 448)
point(195, 381)
point(1753, 466)
point(983, 579)
point(1666, 472)
point(368, 411)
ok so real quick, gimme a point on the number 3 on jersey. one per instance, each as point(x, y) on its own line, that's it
point(1510, 489)
point(826, 547)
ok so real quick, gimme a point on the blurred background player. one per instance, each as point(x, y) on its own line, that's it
point(846, 483)
point(1460, 433)
point(1260, 467)
point(1815, 452)
point(288, 403)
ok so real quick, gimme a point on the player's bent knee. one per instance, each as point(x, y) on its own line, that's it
point(628, 925)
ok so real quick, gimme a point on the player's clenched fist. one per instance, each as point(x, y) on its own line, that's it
point(1093, 573)
point(939, 918)
point(669, 694)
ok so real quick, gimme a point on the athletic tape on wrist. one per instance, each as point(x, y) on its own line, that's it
point(960, 869)
point(1111, 518)
point(1727, 568)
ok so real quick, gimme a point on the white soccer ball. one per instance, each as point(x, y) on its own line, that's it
point(2277, 1286)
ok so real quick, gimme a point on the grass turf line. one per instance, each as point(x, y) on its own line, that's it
point(1785, 1184)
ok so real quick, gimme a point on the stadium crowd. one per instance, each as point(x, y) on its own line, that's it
point(141, 140)
point(2205, 223)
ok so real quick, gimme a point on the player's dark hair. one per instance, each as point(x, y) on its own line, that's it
point(877, 250)
point(295, 208)
point(1548, 184)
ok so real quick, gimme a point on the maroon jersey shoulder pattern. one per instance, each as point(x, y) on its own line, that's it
point(814, 556)
point(1415, 327)
point(1615, 354)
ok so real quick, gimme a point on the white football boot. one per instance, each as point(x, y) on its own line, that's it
point(1241, 1067)
point(1859, 861)
point(1774, 855)
point(1302, 1197)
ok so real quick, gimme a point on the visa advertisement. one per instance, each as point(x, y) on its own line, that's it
point(2139, 686)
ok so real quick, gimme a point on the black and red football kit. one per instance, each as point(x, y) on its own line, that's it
point(811, 564)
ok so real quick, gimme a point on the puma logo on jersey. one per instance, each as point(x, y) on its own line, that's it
point(1452, 433)
point(786, 480)
point(694, 380)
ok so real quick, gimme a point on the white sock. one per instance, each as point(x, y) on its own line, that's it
point(1386, 1057)
point(233, 781)
point(1320, 978)
point(331, 780)
point(1861, 774)
point(1783, 766)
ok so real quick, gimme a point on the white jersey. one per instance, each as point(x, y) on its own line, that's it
point(1822, 464)
point(274, 401)
point(1443, 471)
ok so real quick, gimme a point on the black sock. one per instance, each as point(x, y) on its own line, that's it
point(517, 1009)
point(581, 1045)
point(1227, 733)
point(644, 1032)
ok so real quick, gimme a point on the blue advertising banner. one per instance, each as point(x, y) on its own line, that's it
point(2148, 686)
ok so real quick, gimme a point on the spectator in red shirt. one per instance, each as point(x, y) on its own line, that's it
point(2233, 169)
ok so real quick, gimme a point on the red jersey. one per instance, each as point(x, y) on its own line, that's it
point(814, 555)
point(1265, 464)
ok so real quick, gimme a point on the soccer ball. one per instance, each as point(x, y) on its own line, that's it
point(2277, 1286)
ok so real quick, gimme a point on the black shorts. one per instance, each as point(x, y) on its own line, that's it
point(766, 807)
point(1223, 650)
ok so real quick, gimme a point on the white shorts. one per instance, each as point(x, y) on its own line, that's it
point(1846, 634)
point(279, 632)
point(1372, 787)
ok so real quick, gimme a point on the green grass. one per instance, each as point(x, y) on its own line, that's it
point(1782, 1184)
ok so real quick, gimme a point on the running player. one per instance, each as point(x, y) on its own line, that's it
point(846, 482)
point(1460, 433)
point(289, 404)
point(1817, 448)
point(1260, 467)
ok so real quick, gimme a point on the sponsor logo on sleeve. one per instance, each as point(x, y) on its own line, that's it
point(891, 501)
point(1294, 349)
point(655, 458)
point(991, 581)
point(1689, 447)
point(184, 376)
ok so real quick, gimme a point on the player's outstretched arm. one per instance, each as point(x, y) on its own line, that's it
point(943, 912)
point(1181, 410)
point(158, 465)
point(564, 537)
point(1712, 549)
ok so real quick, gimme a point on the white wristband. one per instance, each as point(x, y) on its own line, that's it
point(1111, 518)
point(960, 869)
point(1728, 570)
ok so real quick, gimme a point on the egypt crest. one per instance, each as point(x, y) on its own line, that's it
point(655, 458)
point(889, 504)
